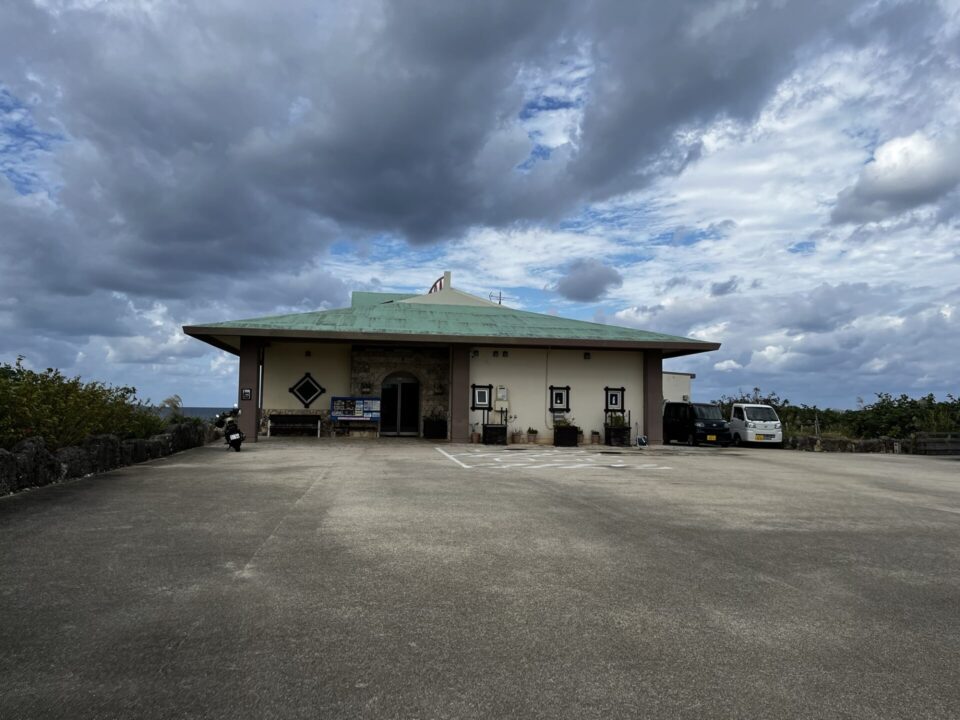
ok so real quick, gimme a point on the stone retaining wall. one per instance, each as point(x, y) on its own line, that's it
point(32, 464)
point(847, 445)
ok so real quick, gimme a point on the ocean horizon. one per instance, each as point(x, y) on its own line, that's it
point(204, 413)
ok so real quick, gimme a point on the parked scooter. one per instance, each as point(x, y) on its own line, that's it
point(231, 431)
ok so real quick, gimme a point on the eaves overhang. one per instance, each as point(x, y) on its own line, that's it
point(215, 336)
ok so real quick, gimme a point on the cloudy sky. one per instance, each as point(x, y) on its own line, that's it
point(780, 176)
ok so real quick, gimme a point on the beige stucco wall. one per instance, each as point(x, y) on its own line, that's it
point(528, 373)
point(676, 387)
point(285, 363)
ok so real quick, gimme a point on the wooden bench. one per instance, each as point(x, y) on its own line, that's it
point(945, 443)
point(293, 425)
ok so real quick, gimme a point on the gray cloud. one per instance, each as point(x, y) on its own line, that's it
point(841, 341)
point(725, 288)
point(202, 143)
point(204, 129)
point(587, 280)
point(827, 307)
point(905, 173)
point(675, 281)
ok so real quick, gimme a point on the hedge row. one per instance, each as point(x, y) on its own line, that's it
point(64, 411)
point(31, 463)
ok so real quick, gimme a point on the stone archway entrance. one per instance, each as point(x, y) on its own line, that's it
point(400, 406)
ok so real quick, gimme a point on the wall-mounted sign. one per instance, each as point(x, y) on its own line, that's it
point(355, 408)
point(246, 394)
point(559, 398)
point(614, 398)
point(482, 397)
point(306, 390)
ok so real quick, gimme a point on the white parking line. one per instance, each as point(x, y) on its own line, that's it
point(545, 459)
point(443, 452)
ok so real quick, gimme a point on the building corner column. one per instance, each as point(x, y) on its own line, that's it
point(249, 386)
point(460, 393)
point(653, 396)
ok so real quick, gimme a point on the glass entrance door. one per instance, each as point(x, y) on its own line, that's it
point(400, 406)
point(389, 406)
point(409, 410)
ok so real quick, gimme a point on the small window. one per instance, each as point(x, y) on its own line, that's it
point(482, 397)
point(559, 398)
point(738, 413)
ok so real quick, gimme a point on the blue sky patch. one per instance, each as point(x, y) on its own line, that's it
point(21, 144)
point(805, 247)
point(546, 103)
point(537, 153)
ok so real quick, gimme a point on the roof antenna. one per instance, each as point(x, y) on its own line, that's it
point(498, 297)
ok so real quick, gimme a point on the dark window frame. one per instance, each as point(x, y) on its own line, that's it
point(619, 393)
point(564, 405)
point(474, 397)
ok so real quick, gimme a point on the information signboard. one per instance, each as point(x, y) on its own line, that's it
point(355, 408)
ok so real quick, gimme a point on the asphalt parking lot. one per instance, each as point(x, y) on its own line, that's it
point(403, 579)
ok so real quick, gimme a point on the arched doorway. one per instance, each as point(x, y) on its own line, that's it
point(400, 405)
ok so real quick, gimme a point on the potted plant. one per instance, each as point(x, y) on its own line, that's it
point(532, 435)
point(565, 433)
point(435, 425)
point(616, 430)
point(474, 433)
point(594, 437)
point(517, 436)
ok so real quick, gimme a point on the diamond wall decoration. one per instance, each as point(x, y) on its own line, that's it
point(306, 390)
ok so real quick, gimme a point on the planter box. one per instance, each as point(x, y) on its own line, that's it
point(565, 436)
point(494, 434)
point(617, 435)
point(434, 429)
point(532, 438)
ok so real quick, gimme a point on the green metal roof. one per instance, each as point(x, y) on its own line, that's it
point(442, 321)
point(362, 299)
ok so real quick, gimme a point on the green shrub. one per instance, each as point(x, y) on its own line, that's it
point(64, 410)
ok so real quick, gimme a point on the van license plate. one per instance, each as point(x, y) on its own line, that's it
point(761, 437)
point(235, 436)
point(711, 438)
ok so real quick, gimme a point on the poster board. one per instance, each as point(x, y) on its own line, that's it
point(355, 408)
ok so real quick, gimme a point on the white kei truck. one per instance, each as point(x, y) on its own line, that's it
point(754, 423)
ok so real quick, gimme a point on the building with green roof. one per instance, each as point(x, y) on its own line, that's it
point(397, 364)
